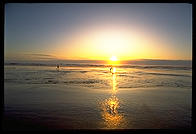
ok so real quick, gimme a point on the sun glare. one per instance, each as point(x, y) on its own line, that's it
point(113, 58)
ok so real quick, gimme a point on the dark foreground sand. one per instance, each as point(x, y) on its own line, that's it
point(57, 107)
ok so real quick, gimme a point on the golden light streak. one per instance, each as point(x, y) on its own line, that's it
point(114, 70)
point(114, 88)
point(112, 119)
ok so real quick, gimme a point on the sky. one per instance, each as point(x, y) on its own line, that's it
point(98, 31)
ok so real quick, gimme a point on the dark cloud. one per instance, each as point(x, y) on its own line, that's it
point(41, 55)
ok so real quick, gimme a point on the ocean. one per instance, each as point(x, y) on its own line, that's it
point(88, 96)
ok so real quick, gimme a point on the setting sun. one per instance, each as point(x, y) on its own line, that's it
point(113, 58)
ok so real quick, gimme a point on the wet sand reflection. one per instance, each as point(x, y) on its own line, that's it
point(111, 117)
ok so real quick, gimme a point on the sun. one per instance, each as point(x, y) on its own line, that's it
point(113, 58)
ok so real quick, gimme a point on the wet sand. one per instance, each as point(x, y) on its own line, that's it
point(143, 97)
point(63, 107)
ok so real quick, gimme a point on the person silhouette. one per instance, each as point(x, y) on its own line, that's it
point(57, 67)
point(111, 69)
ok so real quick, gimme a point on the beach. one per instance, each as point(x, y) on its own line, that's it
point(91, 97)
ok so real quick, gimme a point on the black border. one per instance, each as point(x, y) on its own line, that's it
point(145, 131)
point(99, 1)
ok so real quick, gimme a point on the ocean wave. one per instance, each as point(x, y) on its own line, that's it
point(82, 82)
point(166, 74)
point(172, 67)
point(183, 75)
point(99, 78)
point(97, 83)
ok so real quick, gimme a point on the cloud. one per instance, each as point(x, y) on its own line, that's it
point(41, 56)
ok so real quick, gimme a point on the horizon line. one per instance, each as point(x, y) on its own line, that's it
point(96, 60)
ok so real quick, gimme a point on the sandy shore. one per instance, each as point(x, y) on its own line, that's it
point(63, 107)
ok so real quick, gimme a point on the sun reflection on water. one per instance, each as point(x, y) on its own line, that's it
point(114, 89)
point(110, 114)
